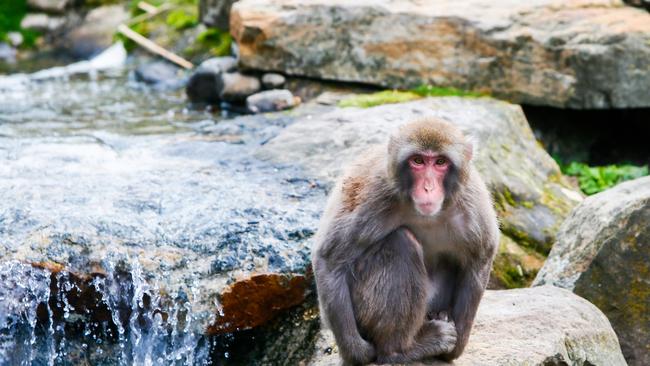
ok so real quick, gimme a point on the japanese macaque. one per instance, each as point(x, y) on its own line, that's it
point(405, 248)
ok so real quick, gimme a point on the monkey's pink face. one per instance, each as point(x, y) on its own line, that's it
point(428, 170)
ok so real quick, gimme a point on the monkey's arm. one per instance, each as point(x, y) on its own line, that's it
point(335, 302)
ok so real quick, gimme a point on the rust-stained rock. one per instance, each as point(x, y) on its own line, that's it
point(577, 54)
point(255, 300)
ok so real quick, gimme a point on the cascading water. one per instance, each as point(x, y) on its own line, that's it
point(44, 320)
point(123, 215)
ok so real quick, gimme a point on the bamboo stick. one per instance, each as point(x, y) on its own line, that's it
point(153, 47)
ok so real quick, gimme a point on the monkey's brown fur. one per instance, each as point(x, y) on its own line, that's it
point(384, 273)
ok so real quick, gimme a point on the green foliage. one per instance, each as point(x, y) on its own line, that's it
point(12, 13)
point(599, 178)
point(217, 42)
point(378, 98)
point(435, 91)
point(180, 19)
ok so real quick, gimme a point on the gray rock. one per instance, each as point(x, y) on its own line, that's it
point(157, 73)
point(271, 101)
point(50, 6)
point(273, 81)
point(525, 327)
point(43, 23)
point(235, 87)
point(216, 13)
point(576, 54)
point(531, 196)
point(96, 32)
point(602, 253)
point(205, 83)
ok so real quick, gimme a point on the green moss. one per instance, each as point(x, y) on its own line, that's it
point(211, 41)
point(510, 269)
point(436, 91)
point(379, 98)
point(594, 179)
point(180, 19)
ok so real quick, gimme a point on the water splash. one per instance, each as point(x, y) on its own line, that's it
point(132, 324)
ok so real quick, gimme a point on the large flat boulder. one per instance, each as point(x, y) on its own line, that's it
point(531, 196)
point(533, 327)
point(577, 54)
point(602, 253)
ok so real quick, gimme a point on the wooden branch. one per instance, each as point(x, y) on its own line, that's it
point(153, 47)
point(146, 7)
point(148, 15)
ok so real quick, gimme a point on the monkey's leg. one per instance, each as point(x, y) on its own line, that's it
point(388, 286)
point(470, 288)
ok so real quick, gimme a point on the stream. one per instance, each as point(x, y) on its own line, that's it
point(123, 214)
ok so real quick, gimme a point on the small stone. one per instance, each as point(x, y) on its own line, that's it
point(271, 101)
point(235, 87)
point(273, 81)
point(219, 64)
point(7, 53)
point(205, 83)
point(50, 6)
point(156, 72)
point(42, 22)
point(15, 38)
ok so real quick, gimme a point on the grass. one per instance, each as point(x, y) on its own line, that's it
point(401, 96)
point(594, 179)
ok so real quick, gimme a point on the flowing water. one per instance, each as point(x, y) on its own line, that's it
point(122, 214)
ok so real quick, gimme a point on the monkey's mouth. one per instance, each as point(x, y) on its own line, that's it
point(427, 208)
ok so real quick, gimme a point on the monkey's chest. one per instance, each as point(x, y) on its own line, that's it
point(436, 244)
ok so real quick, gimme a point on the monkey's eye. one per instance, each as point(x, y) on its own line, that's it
point(418, 160)
point(441, 161)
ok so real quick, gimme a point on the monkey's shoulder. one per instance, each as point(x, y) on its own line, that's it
point(362, 184)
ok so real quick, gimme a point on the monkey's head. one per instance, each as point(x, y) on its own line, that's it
point(428, 161)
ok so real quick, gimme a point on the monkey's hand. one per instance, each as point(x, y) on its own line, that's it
point(448, 336)
point(357, 352)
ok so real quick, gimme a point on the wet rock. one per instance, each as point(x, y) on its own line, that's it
point(271, 101)
point(160, 74)
point(236, 87)
point(273, 81)
point(96, 32)
point(216, 13)
point(43, 23)
point(576, 54)
point(531, 196)
point(602, 253)
point(205, 83)
point(536, 326)
point(50, 6)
